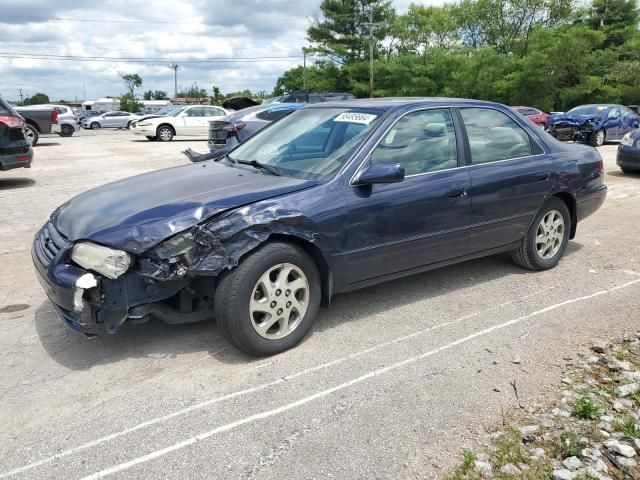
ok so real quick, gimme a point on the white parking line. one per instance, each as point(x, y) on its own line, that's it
point(270, 413)
point(257, 388)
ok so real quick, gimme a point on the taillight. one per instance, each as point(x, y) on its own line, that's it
point(601, 167)
point(11, 121)
point(238, 126)
point(54, 117)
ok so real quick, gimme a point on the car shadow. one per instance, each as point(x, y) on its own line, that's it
point(155, 339)
point(15, 183)
point(46, 144)
point(620, 173)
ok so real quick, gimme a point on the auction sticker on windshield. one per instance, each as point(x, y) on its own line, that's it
point(355, 117)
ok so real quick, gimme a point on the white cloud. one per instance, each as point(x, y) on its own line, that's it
point(196, 29)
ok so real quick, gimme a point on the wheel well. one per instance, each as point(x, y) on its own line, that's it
point(166, 125)
point(33, 124)
point(568, 199)
point(317, 256)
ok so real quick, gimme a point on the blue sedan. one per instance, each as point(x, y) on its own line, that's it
point(331, 198)
point(593, 124)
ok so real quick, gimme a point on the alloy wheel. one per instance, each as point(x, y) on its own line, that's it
point(29, 135)
point(600, 137)
point(279, 301)
point(550, 234)
point(165, 134)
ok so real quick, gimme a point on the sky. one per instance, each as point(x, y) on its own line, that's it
point(242, 36)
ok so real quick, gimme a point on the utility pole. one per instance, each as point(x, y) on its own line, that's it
point(20, 96)
point(174, 66)
point(371, 52)
point(305, 50)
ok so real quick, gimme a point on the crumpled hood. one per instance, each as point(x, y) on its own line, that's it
point(136, 213)
point(571, 119)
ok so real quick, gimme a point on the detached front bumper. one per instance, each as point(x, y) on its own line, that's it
point(87, 302)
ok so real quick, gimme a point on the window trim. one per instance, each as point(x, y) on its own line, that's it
point(470, 163)
point(457, 132)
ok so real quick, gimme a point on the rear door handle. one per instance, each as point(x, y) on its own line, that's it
point(542, 176)
point(457, 192)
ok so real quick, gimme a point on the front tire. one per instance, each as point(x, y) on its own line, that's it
point(165, 133)
point(94, 125)
point(269, 302)
point(547, 238)
point(597, 138)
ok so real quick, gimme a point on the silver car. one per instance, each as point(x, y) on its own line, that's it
point(110, 120)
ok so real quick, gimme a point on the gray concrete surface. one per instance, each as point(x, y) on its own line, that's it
point(395, 381)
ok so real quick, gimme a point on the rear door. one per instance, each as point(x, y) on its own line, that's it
point(613, 123)
point(510, 177)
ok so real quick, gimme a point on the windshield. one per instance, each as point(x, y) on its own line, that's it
point(165, 110)
point(175, 112)
point(310, 143)
point(588, 110)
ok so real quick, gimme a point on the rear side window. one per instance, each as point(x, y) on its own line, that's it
point(493, 136)
point(423, 141)
point(195, 112)
point(528, 111)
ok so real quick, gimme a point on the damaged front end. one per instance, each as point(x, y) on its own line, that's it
point(569, 129)
point(95, 289)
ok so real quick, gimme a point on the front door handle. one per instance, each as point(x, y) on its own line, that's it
point(457, 192)
point(542, 176)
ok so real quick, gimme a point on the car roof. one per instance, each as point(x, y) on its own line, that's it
point(396, 103)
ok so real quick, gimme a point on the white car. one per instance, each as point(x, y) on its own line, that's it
point(188, 121)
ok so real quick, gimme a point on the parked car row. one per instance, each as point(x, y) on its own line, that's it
point(15, 148)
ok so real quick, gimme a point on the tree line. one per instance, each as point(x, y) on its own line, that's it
point(552, 54)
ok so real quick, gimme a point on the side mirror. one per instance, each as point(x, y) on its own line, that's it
point(380, 173)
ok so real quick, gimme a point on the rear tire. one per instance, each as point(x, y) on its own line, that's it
point(547, 238)
point(280, 278)
point(66, 130)
point(31, 134)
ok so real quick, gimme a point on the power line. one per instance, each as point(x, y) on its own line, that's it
point(32, 19)
point(98, 47)
point(44, 56)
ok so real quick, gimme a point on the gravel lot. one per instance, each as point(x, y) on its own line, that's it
point(395, 381)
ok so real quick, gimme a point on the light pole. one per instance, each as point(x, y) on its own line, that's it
point(174, 66)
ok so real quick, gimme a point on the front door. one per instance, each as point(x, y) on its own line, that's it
point(419, 221)
point(612, 123)
point(194, 122)
point(510, 177)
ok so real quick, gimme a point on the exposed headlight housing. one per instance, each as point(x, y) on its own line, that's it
point(627, 140)
point(107, 261)
point(180, 245)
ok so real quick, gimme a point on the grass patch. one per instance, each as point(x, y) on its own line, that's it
point(586, 409)
point(466, 470)
point(628, 427)
point(568, 445)
point(509, 448)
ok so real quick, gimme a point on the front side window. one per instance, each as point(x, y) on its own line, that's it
point(493, 136)
point(614, 113)
point(312, 143)
point(195, 112)
point(423, 141)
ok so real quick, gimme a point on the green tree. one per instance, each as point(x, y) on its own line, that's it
point(342, 34)
point(36, 99)
point(132, 81)
point(129, 103)
point(194, 91)
point(218, 97)
point(155, 95)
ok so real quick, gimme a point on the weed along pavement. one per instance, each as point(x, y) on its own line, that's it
point(395, 381)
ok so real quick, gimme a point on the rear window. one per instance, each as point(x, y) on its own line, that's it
point(272, 115)
point(4, 108)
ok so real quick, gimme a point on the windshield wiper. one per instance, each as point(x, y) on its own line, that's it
point(231, 160)
point(262, 166)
